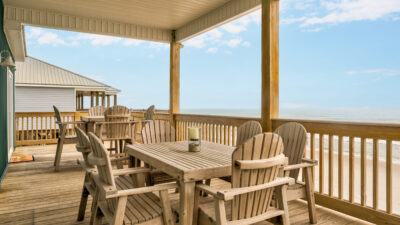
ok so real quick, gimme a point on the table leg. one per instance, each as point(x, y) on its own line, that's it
point(186, 198)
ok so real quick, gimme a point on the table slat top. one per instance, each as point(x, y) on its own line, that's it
point(213, 160)
point(92, 118)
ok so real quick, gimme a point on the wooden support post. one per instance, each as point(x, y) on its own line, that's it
point(97, 99)
point(269, 62)
point(77, 102)
point(174, 78)
point(108, 101)
point(103, 99)
point(82, 105)
point(115, 100)
point(91, 99)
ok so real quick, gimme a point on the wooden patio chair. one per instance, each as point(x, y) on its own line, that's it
point(245, 132)
point(62, 136)
point(149, 115)
point(154, 132)
point(89, 186)
point(248, 130)
point(256, 165)
point(97, 110)
point(129, 206)
point(117, 128)
point(294, 137)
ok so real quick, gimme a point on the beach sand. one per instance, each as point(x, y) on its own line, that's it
point(357, 180)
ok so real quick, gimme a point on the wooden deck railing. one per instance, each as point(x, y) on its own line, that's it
point(355, 174)
point(32, 128)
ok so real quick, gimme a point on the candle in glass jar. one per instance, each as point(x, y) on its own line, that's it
point(194, 133)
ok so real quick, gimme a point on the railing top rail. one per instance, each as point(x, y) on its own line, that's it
point(217, 119)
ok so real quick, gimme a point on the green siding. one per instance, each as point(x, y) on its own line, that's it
point(3, 101)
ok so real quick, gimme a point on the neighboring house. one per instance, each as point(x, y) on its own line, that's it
point(40, 85)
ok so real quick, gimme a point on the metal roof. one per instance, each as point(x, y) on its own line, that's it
point(34, 72)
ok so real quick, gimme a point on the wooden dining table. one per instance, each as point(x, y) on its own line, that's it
point(89, 122)
point(213, 161)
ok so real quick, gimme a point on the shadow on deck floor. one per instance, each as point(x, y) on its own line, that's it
point(32, 193)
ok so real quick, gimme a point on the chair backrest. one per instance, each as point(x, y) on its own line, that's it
point(294, 137)
point(57, 114)
point(248, 130)
point(262, 146)
point(117, 114)
point(157, 131)
point(97, 110)
point(103, 166)
point(149, 115)
point(83, 145)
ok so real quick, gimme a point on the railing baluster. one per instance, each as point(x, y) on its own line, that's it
point(340, 167)
point(375, 172)
point(37, 127)
point(321, 163)
point(331, 165)
point(351, 169)
point(389, 176)
point(363, 171)
point(312, 154)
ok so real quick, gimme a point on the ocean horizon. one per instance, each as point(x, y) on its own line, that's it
point(335, 114)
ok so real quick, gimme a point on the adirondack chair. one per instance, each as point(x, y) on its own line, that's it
point(97, 110)
point(256, 165)
point(149, 115)
point(89, 186)
point(118, 127)
point(62, 136)
point(154, 132)
point(248, 130)
point(157, 131)
point(294, 137)
point(245, 132)
point(130, 206)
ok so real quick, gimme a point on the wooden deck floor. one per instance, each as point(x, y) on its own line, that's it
point(32, 193)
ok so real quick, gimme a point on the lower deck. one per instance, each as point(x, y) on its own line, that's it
point(32, 193)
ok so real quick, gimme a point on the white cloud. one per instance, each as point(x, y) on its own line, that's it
point(212, 50)
point(380, 71)
point(96, 40)
point(158, 45)
point(246, 44)
point(233, 43)
point(291, 20)
point(50, 38)
point(341, 11)
point(132, 42)
point(241, 24)
point(212, 36)
point(317, 29)
point(34, 32)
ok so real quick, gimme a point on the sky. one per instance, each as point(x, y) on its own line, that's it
point(337, 54)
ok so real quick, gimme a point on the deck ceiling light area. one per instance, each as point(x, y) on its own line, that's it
point(151, 20)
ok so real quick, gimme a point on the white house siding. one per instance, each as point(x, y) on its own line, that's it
point(42, 99)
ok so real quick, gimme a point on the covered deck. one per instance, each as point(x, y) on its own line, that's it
point(32, 193)
point(347, 179)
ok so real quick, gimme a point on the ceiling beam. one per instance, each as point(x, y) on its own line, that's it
point(224, 14)
point(15, 17)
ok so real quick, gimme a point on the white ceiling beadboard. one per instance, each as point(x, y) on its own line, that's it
point(151, 20)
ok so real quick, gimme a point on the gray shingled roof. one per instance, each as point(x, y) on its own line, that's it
point(34, 72)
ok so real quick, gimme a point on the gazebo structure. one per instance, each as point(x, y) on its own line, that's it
point(174, 21)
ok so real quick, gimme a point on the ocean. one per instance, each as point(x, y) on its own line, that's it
point(338, 114)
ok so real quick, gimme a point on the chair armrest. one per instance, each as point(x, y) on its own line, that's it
point(304, 164)
point(207, 189)
point(142, 190)
point(70, 122)
point(314, 162)
point(130, 171)
point(230, 193)
point(120, 122)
